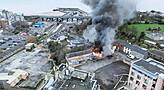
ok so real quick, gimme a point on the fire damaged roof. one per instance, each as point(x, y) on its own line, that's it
point(74, 54)
point(130, 46)
point(76, 84)
point(76, 80)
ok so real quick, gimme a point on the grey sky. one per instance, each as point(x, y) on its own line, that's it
point(36, 6)
point(148, 5)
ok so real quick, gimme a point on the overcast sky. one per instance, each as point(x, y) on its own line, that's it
point(37, 6)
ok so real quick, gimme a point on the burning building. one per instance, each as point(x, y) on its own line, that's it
point(97, 50)
point(78, 58)
point(75, 59)
point(107, 15)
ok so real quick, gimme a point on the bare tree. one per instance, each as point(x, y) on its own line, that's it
point(31, 39)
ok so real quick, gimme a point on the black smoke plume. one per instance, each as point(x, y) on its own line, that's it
point(107, 15)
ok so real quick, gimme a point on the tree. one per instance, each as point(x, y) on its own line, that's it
point(78, 29)
point(54, 46)
point(127, 33)
point(20, 26)
point(31, 39)
point(54, 57)
point(158, 45)
point(141, 37)
point(56, 52)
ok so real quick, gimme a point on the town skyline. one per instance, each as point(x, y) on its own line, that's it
point(29, 7)
point(82, 45)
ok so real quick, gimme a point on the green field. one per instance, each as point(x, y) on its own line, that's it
point(142, 27)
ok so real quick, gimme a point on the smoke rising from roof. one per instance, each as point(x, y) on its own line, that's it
point(107, 15)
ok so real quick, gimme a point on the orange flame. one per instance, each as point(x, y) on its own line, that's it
point(97, 53)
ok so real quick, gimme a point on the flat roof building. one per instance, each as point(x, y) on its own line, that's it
point(133, 52)
point(68, 78)
point(51, 14)
point(78, 58)
point(146, 75)
point(157, 54)
point(155, 36)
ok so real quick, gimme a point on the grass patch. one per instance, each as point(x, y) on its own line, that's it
point(142, 27)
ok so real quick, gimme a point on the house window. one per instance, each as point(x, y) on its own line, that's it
point(132, 73)
point(1, 86)
point(131, 78)
point(130, 84)
point(138, 77)
point(137, 82)
point(152, 89)
point(153, 85)
point(154, 80)
point(144, 87)
point(146, 81)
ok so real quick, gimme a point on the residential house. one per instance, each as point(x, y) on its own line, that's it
point(146, 75)
point(129, 49)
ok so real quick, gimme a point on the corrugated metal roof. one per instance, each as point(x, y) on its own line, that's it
point(150, 67)
point(51, 14)
point(132, 47)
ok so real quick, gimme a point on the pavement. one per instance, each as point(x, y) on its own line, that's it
point(92, 66)
point(30, 61)
point(35, 63)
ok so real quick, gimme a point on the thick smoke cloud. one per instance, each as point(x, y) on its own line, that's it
point(107, 15)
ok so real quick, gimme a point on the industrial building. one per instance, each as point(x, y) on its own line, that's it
point(112, 76)
point(129, 49)
point(156, 36)
point(157, 54)
point(67, 15)
point(146, 75)
point(59, 33)
point(39, 25)
point(78, 58)
point(68, 78)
